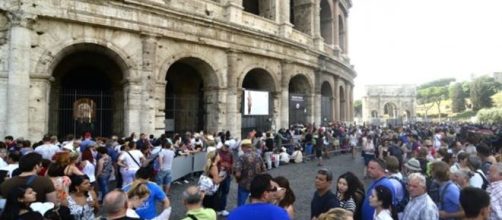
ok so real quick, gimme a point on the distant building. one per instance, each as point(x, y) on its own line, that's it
point(497, 76)
point(394, 104)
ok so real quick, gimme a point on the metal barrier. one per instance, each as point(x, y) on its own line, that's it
point(185, 165)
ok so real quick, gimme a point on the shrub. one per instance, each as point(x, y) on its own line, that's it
point(491, 115)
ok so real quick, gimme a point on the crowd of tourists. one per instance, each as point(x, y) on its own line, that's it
point(419, 171)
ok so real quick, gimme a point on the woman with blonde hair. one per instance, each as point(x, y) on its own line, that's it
point(211, 171)
point(136, 196)
point(336, 214)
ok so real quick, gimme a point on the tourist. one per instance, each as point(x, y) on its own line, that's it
point(420, 205)
point(129, 162)
point(475, 203)
point(376, 171)
point(495, 191)
point(449, 206)
point(104, 170)
point(18, 204)
point(336, 214)
point(262, 195)
point(246, 168)
point(82, 201)
point(350, 193)
point(285, 196)
point(115, 205)
point(192, 200)
point(211, 171)
point(225, 168)
point(323, 199)
point(166, 158)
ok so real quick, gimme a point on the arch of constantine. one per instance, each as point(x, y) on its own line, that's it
point(394, 104)
point(119, 66)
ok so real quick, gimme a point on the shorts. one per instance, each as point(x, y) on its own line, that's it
point(367, 158)
point(164, 177)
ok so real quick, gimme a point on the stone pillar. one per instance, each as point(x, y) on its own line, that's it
point(336, 28)
point(317, 99)
point(18, 82)
point(336, 93)
point(233, 117)
point(215, 109)
point(276, 110)
point(38, 107)
point(160, 114)
point(132, 106)
point(304, 16)
point(348, 101)
point(284, 14)
point(286, 69)
point(233, 10)
point(148, 85)
point(318, 41)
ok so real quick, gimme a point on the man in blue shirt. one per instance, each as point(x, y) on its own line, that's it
point(262, 194)
point(148, 209)
point(449, 193)
point(376, 170)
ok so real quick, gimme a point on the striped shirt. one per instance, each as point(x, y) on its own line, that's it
point(495, 191)
point(348, 204)
point(421, 207)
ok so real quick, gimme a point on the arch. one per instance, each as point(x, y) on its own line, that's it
point(189, 95)
point(326, 19)
point(390, 110)
point(270, 78)
point(299, 88)
point(263, 8)
point(326, 89)
point(251, 6)
point(374, 114)
point(87, 93)
point(341, 33)
point(203, 62)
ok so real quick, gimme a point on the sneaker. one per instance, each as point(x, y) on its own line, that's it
point(223, 213)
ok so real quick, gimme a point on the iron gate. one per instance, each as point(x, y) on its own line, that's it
point(326, 109)
point(297, 109)
point(184, 113)
point(83, 110)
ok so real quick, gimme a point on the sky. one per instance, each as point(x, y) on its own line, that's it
point(417, 41)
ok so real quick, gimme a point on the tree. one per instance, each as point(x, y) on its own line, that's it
point(434, 95)
point(437, 83)
point(457, 97)
point(358, 107)
point(481, 91)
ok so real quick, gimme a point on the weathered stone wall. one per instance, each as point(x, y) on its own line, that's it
point(377, 96)
point(144, 38)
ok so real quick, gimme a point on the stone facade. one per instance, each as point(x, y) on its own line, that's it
point(382, 103)
point(133, 55)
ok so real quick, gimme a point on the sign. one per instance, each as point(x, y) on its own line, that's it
point(84, 110)
point(256, 102)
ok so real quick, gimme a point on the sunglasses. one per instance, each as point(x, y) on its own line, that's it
point(276, 189)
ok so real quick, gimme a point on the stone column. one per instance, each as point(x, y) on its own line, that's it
point(18, 82)
point(285, 73)
point(318, 41)
point(348, 101)
point(276, 110)
point(132, 106)
point(304, 16)
point(215, 109)
point(148, 84)
point(233, 117)
point(284, 14)
point(336, 28)
point(38, 107)
point(317, 99)
point(160, 114)
point(336, 93)
point(233, 10)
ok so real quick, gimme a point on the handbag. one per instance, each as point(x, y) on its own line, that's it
point(207, 185)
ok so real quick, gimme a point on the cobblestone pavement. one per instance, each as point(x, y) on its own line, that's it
point(301, 178)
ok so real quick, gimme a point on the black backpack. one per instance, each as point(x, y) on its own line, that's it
point(485, 181)
point(434, 192)
point(400, 205)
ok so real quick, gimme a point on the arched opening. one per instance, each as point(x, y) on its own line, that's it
point(87, 94)
point(292, 12)
point(341, 33)
point(326, 22)
point(251, 6)
point(298, 100)
point(187, 106)
point(374, 114)
point(390, 110)
point(326, 103)
point(257, 104)
point(343, 104)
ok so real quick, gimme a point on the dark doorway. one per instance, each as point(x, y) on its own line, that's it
point(326, 103)
point(257, 80)
point(298, 100)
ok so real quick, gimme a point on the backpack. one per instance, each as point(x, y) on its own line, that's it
point(485, 181)
point(436, 194)
point(400, 205)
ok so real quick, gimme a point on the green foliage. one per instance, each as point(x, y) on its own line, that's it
point(492, 115)
point(437, 83)
point(457, 97)
point(497, 99)
point(482, 89)
point(466, 115)
point(432, 94)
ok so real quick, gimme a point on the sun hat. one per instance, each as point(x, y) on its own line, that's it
point(413, 165)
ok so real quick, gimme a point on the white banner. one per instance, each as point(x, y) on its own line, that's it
point(255, 102)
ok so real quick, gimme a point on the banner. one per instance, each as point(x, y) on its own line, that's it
point(255, 102)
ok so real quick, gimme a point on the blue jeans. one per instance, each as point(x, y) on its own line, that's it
point(224, 188)
point(242, 196)
point(103, 182)
point(164, 178)
point(308, 149)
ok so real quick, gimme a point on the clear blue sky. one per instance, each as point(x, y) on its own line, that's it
point(416, 41)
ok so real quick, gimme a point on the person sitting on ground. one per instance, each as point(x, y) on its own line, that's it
point(18, 205)
point(297, 156)
point(262, 194)
point(476, 203)
point(192, 199)
point(283, 157)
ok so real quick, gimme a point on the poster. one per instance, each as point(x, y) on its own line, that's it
point(256, 102)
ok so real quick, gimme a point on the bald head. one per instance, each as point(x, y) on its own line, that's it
point(115, 203)
point(192, 195)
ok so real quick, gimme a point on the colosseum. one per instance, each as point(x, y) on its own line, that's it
point(122, 66)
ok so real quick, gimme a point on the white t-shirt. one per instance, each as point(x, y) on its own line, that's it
point(90, 170)
point(284, 157)
point(10, 168)
point(131, 164)
point(47, 151)
point(167, 156)
point(476, 180)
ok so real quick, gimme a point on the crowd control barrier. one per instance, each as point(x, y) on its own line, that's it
point(185, 165)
